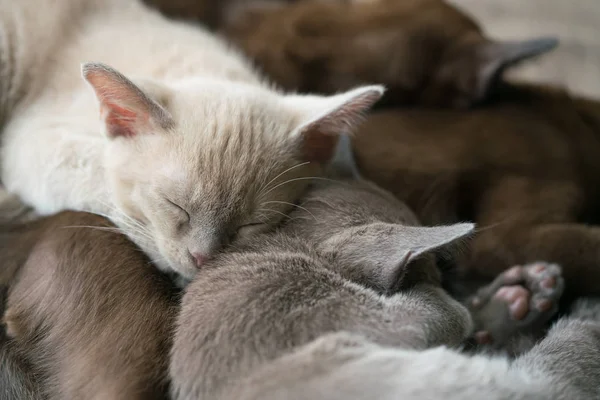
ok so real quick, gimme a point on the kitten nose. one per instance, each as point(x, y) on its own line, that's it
point(199, 259)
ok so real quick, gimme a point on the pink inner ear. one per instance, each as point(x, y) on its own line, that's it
point(318, 146)
point(119, 120)
point(124, 108)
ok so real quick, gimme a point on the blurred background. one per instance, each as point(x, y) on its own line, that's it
point(575, 63)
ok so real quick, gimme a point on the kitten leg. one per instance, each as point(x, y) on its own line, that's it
point(426, 316)
point(524, 221)
point(520, 300)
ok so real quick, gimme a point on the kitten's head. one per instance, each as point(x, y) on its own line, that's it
point(426, 52)
point(195, 164)
point(373, 238)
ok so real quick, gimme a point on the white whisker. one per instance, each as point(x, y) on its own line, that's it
point(265, 187)
point(293, 205)
point(275, 211)
point(300, 179)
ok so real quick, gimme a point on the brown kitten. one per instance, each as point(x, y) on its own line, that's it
point(426, 52)
point(70, 309)
point(526, 169)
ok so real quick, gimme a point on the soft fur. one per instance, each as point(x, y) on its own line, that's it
point(97, 324)
point(525, 169)
point(192, 147)
point(87, 313)
point(343, 366)
point(337, 264)
point(425, 51)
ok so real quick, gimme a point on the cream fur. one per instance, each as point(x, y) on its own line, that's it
point(230, 135)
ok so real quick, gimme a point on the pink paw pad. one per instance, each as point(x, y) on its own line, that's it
point(518, 299)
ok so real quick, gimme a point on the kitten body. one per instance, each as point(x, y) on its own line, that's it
point(425, 52)
point(192, 147)
point(336, 265)
point(563, 366)
point(525, 169)
point(86, 322)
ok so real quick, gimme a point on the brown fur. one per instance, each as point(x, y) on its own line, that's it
point(70, 309)
point(526, 169)
point(207, 11)
point(426, 52)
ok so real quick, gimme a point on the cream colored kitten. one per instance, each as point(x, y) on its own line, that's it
point(192, 147)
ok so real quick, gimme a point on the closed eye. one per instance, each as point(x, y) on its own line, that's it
point(249, 229)
point(181, 209)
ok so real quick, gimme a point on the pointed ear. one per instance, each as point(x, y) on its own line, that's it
point(496, 56)
point(423, 239)
point(126, 110)
point(378, 254)
point(323, 119)
point(407, 243)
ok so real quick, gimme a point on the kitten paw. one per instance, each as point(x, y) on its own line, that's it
point(520, 300)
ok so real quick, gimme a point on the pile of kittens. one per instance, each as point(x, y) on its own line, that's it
point(193, 214)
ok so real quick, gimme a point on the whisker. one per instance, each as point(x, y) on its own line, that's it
point(283, 173)
point(275, 211)
point(300, 179)
point(100, 228)
point(294, 205)
point(506, 220)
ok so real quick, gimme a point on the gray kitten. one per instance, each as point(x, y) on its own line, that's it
point(330, 268)
point(346, 278)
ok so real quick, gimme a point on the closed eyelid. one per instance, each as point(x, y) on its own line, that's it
point(178, 206)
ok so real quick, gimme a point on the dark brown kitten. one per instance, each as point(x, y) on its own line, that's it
point(70, 305)
point(526, 169)
point(426, 52)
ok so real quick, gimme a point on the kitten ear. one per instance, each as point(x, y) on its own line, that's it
point(323, 119)
point(497, 56)
point(471, 69)
point(378, 254)
point(126, 110)
point(422, 239)
point(408, 243)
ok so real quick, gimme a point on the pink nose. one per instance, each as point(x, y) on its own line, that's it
point(199, 259)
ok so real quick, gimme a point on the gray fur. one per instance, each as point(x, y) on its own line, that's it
point(565, 365)
point(313, 312)
point(263, 299)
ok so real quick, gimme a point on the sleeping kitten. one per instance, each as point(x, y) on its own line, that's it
point(197, 149)
point(426, 52)
point(350, 258)
point(64, 285)
point(261, 300)
point(525, 168)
